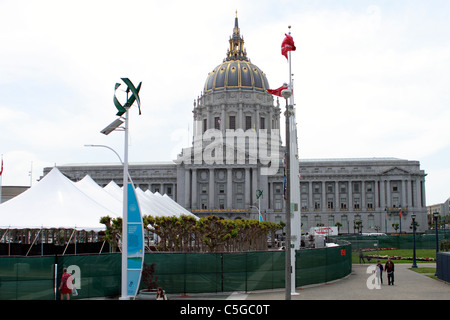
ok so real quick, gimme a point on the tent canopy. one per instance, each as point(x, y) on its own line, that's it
point(57, 202)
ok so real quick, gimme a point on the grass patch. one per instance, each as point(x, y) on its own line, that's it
point(423, 253)
point(423, 270)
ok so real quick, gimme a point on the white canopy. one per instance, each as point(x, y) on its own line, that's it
point(54, 202)
point(94, 191)
point(149, 203)
point(57, 202)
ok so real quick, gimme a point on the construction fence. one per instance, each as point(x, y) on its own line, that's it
point(99, 275)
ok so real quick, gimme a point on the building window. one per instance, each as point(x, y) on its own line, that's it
point(396, 202)
point(344, 222)
point(262, 122)
point(356, 204)
point(330, 204)
point(304, 188)
point(221, 188)
point(221, 203)
point(369, 203)
point(316, 188)
point(217, 123)
point(356, 187)
point(371, 222)
point(232, 122)
point(304, 204)
point(205, 127)
point(317, 203)
point(204, 206)
point(343, 203)
point(277, 204)
point(343, 188)
point(248, 122)
point(278, 188)
point(329, 188)
point(239, 203)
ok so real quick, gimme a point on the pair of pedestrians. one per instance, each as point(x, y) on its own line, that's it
point(389, 268)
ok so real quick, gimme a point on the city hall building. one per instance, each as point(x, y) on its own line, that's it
point(234, 168)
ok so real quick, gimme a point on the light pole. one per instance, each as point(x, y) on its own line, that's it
point(413, 217)
point(103, 146)
point(286, 93)
point(435, 217)
point(131, 273)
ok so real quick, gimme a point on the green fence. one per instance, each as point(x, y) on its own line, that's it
point(401, 241)
point(35, 278)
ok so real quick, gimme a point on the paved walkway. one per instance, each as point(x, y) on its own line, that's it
point(409, 285)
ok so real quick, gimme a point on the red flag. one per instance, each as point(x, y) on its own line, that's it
point(1, 170)
point(277, 92)
point(287, 45)
point(400, 213)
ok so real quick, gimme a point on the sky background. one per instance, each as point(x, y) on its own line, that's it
point(371, 78)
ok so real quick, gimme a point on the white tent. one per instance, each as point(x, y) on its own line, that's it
point(54, 202)
point(149, 203)
point(100, 195)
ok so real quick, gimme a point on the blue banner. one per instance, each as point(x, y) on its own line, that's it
point(135, 243)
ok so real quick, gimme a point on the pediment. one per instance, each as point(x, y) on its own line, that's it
point(395, 171)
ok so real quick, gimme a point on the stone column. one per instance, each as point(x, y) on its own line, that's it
point(187, 187)
point(194, 189)
point(247, 188)
point(211, 189)
point(229, 188)
point(254, 184)
point(383, 204)
point(337, 200)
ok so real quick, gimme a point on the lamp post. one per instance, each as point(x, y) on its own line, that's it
point(435, 217)
point(286, 93)
point(413, 217)
point(103, 146)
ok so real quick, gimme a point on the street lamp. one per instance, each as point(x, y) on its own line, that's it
point(286, 93)
point(413, 217)
point(435, 217)
point(103, 146)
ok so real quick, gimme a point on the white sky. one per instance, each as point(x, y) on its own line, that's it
point(371, 77)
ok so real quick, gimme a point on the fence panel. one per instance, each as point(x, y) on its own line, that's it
point(100, 275)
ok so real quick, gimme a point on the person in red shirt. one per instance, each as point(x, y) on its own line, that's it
point(63, 287)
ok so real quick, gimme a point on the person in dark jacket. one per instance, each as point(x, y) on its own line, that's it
point(389, 268)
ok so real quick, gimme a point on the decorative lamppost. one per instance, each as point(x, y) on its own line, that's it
point(435, 217)
point(286, 93)
point(413, 217)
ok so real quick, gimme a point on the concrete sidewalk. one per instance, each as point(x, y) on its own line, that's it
point(408, 285)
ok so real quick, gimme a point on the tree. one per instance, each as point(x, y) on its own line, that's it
point(113, 230)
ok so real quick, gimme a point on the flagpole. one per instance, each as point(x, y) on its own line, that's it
point(294, 179)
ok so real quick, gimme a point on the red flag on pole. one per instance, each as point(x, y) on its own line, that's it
point(287, 45)
point(277, 92)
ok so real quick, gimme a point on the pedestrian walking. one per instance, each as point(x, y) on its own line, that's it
point(361, 256)
point(389, 268)
point(379, 272)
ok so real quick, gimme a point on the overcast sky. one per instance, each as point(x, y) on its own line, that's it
point(371, 77)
